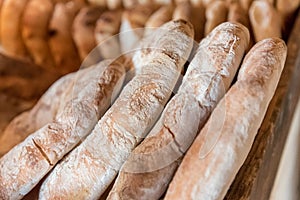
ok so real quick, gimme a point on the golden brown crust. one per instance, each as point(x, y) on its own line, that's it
point(161, 16)
point(216, 155)
point(216, 13)
point(83, 30)
point(36, 18)
point(11, 17)
point(61, 43)
point(265, 20)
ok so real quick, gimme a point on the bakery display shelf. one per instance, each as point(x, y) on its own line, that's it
point(257, 175)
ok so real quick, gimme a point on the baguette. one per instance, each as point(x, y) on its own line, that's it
point(36, 18)
point(265, 20)
point(28, 162)
point(11, 17)
point(133, 22)
point(107, 26)
point(84, 28)
point(216, 155)
point(95, 163)
point(150, 167)
point(61, 43)
point(42, 113)
point(216, 13)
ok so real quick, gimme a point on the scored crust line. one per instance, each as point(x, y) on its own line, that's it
point(42, 152)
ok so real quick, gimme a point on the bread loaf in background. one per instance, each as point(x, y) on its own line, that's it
point(34, 28)
point(28, 162)
point(265, 20)
point(222, 146)
point(96, 161)
point(215, 13)
point(11, 37)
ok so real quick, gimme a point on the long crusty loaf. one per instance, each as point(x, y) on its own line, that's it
point(215, 157)
point(90, 168)
point(11, 38)
point(35, 22)
point(28, 162)
point(150, 167)
point(42, 113)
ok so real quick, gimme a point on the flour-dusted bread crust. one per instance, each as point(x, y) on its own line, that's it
point(151, 166)
point(107, 28)
point(165, 41)
point(35, 22)
point(222, 146)
point(11, 20)
point(42, 113)
point(83, 30)
point(90, 168)
point(265, 20)
point(93, 93)
point(215, 13)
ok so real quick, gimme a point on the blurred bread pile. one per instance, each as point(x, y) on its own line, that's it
point(127, 125)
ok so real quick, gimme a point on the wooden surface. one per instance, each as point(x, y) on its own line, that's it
point(256, 177)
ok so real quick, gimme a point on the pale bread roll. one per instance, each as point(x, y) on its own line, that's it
point(11, 21)
point(222, 146)
point(133, 22)
point(90, 168)
point(113, 4)
point(61, 42)
point(83, 30)
point(42, 113)
point(265, 20)
point(216, 13)
point(21, 169)
point(35, 22)
point(107, 27)
point(151, 166)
